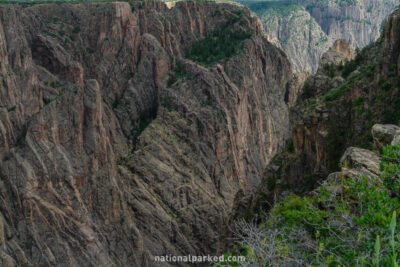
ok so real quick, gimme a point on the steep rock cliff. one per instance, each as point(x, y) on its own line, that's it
point(306, 29)
point(292, 28)
point(104, 161)
point(336, 109)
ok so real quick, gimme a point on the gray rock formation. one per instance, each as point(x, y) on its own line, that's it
point(362, 160)
point(339, 53)
point(305, 29)
point(103, 162)
point(385, 134)
point(294, 30)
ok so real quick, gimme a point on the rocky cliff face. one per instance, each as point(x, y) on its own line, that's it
point(291, 27)
point(336, 109)
point(306, 29)
point(106, 163)
point(358, 22)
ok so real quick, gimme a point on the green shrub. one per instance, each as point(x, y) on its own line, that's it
point(219, 44)
point(89, 50)
point(290, 146)
point(359, 101)
point(385, 85)
point(370, 71)
point(330, 69)
point(307, 90)
point(347, 222)
point(335, 93)
point(51, 34)
point(300, 210)
point(76, 29)
point(352, 65)
point(313, 104)
point(390, 166)
point(178, 72)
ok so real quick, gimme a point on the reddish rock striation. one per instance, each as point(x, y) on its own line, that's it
point(340, 53)
point(103, 164)
point(344, 47)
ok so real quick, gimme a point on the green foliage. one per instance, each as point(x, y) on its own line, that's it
point(377, 249)
point(11, 109)
point(76, 29)
point(385, 85)
point(354, 78)
point(391, 110)
point(352, 65)
point(330, 69)
point(51, 34)
point(219, 44)
point(390, 165)
point(313, 104)
point(370, 71)
point(177, 73)
point(335, 93)
point(290, 146)
point(303, 210)
point(359, 102)
point(348, 222)
point(89, 50)
point(168, 107)
point(307, 90)
point(379, 204)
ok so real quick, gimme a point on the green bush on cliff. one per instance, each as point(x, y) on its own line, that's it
point(348, 221)
point(335, 93)
point(178, 72)
point(219, 44)
point(352, 65)
point(391, 169)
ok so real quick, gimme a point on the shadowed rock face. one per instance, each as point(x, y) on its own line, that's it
point(102, 163)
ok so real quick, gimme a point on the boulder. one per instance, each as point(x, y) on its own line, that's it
point(384, 134)
point(396, 140)
point(364, 161)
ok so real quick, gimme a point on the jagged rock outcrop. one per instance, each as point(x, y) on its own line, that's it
point(292, 28)
point(361, 160)
point(340, 53)
point(295, 88)
point(390, 60)
point(385, 135)
point(357, 162)
point(103, 161)
point(306, 29)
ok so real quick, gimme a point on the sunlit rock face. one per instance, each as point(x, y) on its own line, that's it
point(305, 29)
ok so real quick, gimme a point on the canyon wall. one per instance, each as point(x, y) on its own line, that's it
point(335, 109)
point(306, 29)
point(104, 162)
